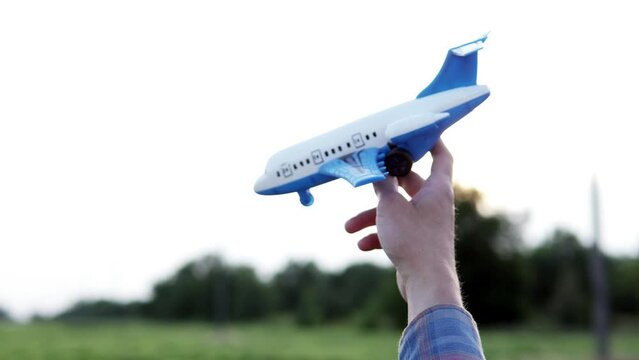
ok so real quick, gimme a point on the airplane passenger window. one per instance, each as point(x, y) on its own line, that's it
point(348, 144)
point(333, 151)
point(326, 153)
point(301, 163)
point(294, 166)
point(308, 161)
point(339, 148)
point(278, 174)
point(374, 134)
point(368, 137)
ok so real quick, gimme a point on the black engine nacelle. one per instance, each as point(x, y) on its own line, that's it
point(398, 162)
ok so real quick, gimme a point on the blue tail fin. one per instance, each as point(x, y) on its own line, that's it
point(459, 69)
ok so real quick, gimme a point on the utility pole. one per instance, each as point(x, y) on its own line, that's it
point(599, 281)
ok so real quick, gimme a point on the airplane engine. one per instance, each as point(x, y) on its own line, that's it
point(398, 162)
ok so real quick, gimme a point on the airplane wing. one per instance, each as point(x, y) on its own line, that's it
point(358, 168)
point(412, 124)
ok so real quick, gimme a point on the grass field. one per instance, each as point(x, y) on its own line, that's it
point(271, 341)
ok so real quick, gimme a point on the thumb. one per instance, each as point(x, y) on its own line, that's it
point(389, 198)
point(385, 187)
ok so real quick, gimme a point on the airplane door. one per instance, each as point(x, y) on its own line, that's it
point(358, 141)
point(317, 157)
point(286, 170)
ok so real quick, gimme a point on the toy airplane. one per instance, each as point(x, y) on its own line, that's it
point(383, 144)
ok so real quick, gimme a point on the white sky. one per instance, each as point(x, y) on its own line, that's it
point(131, 132)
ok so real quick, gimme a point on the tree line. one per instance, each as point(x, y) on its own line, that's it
point(503, 282)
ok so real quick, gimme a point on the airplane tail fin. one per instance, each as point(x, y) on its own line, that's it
point(459, 69)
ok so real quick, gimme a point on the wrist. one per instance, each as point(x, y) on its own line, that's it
point(438, 288)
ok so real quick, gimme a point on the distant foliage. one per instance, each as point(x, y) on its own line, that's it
point(358, 286)
point(364, 292)
point(4, 315)
point(491, 266)
point(208, 289)
point(102, 309)
point(624, 284)
point(560, 283)
point(385, 306)
point(502, 282)
point(302, 289)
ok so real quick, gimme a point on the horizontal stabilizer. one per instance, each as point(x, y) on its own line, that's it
point(468, 48)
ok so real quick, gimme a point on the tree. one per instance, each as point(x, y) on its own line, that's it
point(624, 280)
point(491, 266)
point(352, 288)
point(560, 287)
point(101, 309)
point(4, 315)
point(302, 289)
point(385, 307)
point(207, 289)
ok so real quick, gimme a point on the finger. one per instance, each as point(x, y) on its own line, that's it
point(386, 187)
point(412, 183)
point(361, 221)
point(442, 161)
point(369, 242)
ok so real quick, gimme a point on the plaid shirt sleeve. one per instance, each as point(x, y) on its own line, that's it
point(443, 332)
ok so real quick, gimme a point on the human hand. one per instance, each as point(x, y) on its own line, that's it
point(417, 235)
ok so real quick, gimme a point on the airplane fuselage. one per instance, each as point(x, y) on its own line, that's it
point(296, 168)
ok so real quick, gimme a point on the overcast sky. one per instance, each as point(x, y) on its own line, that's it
point(131, 132)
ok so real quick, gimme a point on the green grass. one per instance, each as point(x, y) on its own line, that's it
point(555, 344)
point(138, 340)
point(191, 341)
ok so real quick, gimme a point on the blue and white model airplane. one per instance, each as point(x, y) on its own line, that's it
point(383, 144)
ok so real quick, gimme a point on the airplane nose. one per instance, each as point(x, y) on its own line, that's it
point(260, 185)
